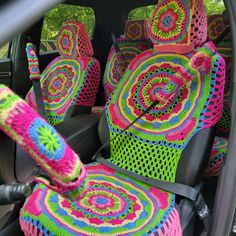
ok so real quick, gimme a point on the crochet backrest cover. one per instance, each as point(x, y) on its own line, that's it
point(135, 41)
point(189, 87)
point(71, 79)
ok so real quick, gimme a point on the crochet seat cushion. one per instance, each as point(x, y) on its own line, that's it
point(112, 205)
point(70, 80)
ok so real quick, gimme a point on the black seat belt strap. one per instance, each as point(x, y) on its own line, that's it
point(39, 98)
point(117, 47)
point(180, 189)
point(118, 135)
point(35, 78)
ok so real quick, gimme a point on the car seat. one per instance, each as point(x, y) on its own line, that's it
point(159, 120)
point(134, 41)
point(69, 84)
point(216, 27)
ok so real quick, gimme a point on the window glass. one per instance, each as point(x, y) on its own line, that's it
point(142, 13)
point(55, 18)
point(212, 7)
point(4, 51)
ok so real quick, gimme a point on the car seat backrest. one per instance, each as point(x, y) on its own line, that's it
point(134, 41)
point(70, 82)
point(189, 88)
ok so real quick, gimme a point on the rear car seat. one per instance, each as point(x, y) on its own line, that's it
point(216, 26)
point(69, 84)
point(134, 41)
point(180, 98)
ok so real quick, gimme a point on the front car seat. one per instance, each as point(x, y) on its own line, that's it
point(169, 142)
point(69, 84)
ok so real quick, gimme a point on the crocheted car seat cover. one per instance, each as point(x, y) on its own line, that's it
point(33, 61)
point(216, 27)
point(73, 40)
point(194, 96)
point(188, 88)
point(178, 26)
point(43, 143)
point(217, 157)
point(134, 42)
point(113, 205)
point(136, 29)
point(68, 81)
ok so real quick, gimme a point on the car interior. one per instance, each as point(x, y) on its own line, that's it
point(117, 118)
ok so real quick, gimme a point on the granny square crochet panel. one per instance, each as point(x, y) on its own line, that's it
point(134, 42)
point(190, 90)
point(178, 26)
point(71, 79)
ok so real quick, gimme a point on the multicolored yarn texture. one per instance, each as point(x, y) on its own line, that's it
point(73, 40)
point(193, 85)
point(69, 80)
point(111, 203)
point(216, 27)
point(33, 62)
point(43, 143)
point(134, 42)
point(217, 157)
point(178, 26)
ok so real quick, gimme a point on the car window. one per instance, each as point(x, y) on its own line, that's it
point(4, 51)
point(55, 18)
point(214, 6)
point(142, 13)
point(146, 12)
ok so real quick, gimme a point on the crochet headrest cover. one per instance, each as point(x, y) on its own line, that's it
point(73, 40)
point(136, 29)
point(178, 26)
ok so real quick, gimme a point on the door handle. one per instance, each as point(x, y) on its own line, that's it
point(5, 74)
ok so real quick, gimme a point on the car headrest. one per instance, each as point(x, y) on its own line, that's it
point(216, 26)
point(73, 40)
point(136, 29)
point(178, 26)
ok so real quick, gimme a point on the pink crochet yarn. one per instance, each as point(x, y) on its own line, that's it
point(178, 26)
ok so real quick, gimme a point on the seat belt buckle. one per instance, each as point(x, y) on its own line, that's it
point(203, 212)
